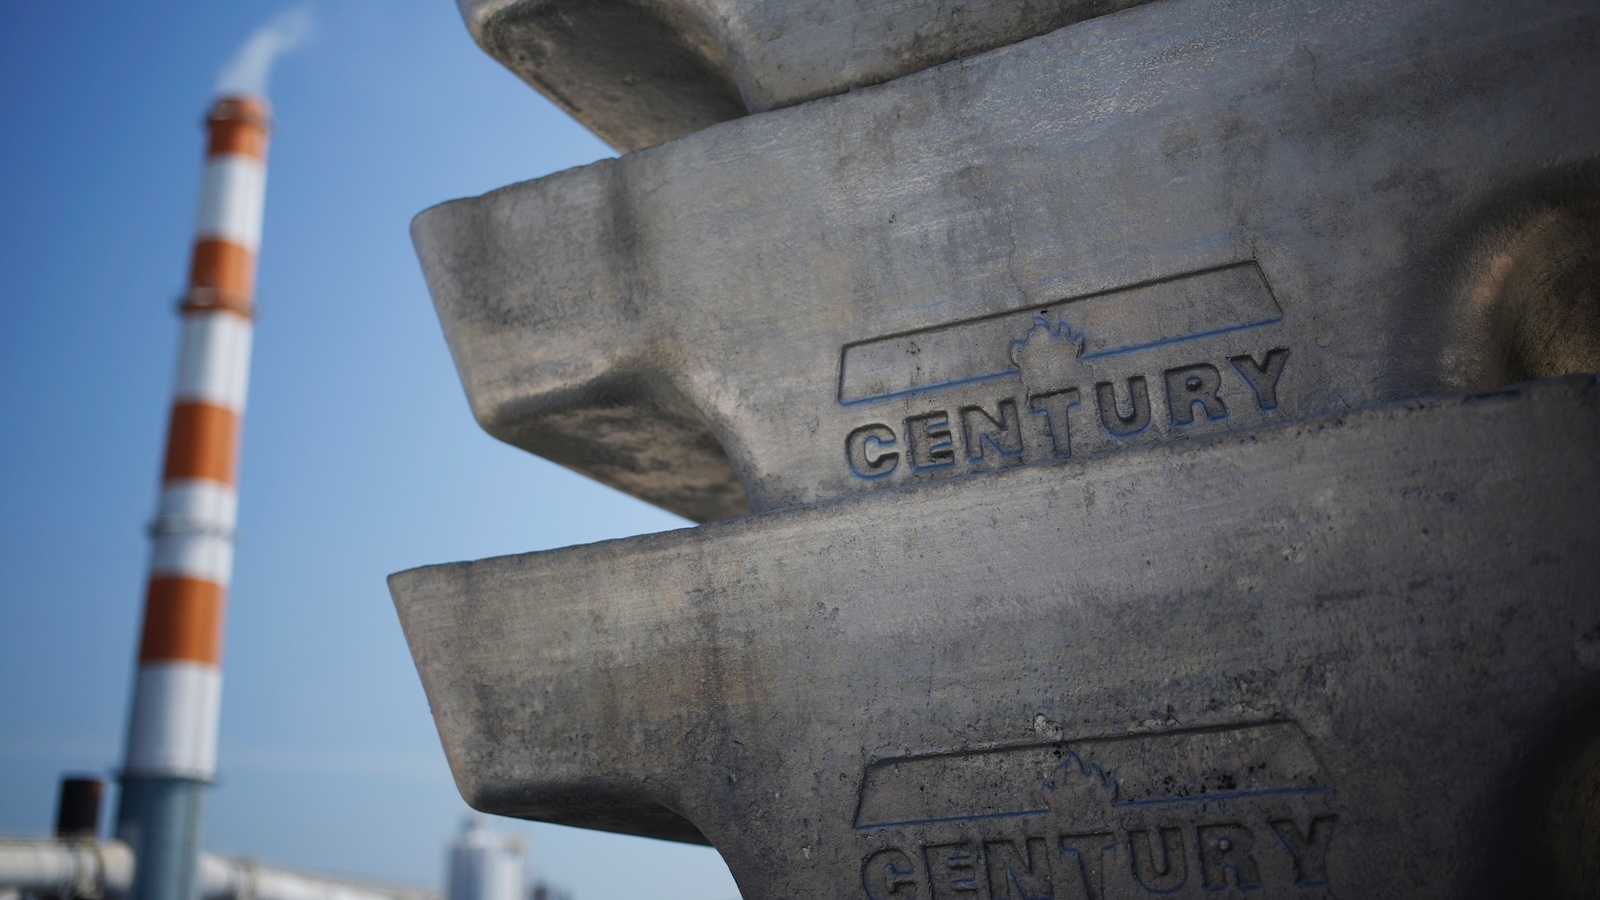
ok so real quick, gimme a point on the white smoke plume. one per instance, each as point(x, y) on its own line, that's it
point(251, 66)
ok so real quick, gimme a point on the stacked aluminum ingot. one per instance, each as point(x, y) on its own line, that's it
point(1130, 420)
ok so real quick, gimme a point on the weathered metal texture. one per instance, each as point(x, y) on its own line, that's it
point(639, 72)
point(1186, 218)
point(1355, 657)
point(1218, 609)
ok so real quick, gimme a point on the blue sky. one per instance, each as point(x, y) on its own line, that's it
point(360, 456)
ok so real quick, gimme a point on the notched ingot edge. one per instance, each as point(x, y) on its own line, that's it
point(576, 613)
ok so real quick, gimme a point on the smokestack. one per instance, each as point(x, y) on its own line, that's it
point(171, 751)
point(78, 808)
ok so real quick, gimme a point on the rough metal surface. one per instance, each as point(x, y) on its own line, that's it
point(1099, 553)
point(639, 72)
point(1356, 657)
point(1187, 218)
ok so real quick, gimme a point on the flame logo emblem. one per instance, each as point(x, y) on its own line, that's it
point(1050, 357)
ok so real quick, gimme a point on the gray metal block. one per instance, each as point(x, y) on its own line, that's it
point(1357, 656)
point(639, 72)
point(1188, 218)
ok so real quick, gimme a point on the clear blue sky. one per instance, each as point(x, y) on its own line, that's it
point(360, 456)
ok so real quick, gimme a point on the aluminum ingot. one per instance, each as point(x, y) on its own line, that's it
point(1349, 657)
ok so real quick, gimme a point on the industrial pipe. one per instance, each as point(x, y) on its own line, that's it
point(106, 869)
point(64, 868)
point(232, 879)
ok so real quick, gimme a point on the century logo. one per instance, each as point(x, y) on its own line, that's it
point(1095, 373)
point(1186, 814)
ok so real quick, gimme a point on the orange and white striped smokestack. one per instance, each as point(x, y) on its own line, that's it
point(172, 734)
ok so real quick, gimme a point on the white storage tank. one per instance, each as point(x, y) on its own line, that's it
point(485, 865)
